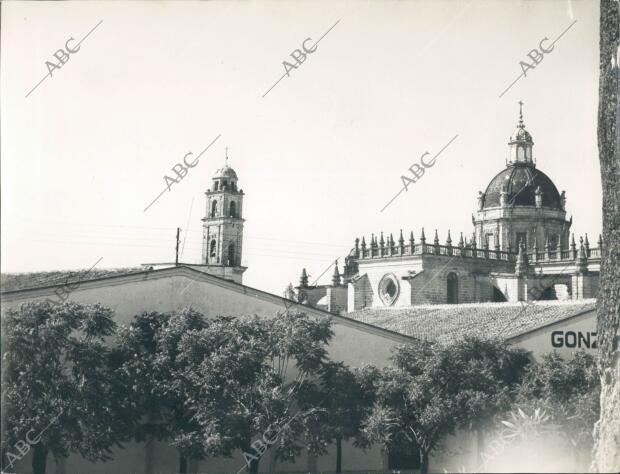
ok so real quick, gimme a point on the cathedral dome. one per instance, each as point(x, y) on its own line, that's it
point(520, 182)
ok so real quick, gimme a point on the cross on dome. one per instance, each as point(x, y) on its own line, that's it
point(521, 134)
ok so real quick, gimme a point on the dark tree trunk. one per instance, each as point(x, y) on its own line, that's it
point(606, 455)
point(423, 461)
point(39, 459)
point(60, 464)
point(254, 466)
point(339, 454)
point(182, 465)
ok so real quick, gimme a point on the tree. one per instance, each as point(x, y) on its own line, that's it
point(434, 389)
point(568, 391)
point(607, 445)
point(238, 375)
point(486, 374)
point(412, 403)
point(149, 349)
point(340, 402)
point(231, 387)
point(61, 395)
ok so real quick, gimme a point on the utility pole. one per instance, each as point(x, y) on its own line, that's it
point(176, 259)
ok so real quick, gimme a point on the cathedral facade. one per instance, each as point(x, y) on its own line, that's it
point(520, 249)
point(390, 292)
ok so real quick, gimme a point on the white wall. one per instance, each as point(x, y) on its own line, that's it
point(353, 343)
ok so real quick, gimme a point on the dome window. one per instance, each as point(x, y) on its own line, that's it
point(553, 242)
point(490, 240)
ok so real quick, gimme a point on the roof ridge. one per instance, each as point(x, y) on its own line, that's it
point(490, 304)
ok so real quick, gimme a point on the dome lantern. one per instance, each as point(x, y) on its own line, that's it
point(521, 143)
point(225, 178)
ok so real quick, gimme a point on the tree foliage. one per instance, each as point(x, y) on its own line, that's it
point(149, 349)
point(568, 390)
point(339, 401)
point(59, 383)
point(433, 389)
point(211, 386)
point(239, 373)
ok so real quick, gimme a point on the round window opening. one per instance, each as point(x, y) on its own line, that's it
point(388, 289)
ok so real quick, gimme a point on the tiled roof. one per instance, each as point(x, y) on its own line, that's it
point(447, 323)
point(22, 281)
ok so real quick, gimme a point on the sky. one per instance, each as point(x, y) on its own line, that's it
point(318, 156)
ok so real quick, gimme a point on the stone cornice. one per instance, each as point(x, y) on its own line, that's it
point(526, 212)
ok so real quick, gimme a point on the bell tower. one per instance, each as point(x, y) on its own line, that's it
point(222, 232)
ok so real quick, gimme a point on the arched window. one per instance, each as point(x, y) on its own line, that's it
point(553, 242)
point(498, 296)
point(453, 288)
point(231, 255)
point(233, 209)
point(548, 294)
point(216, 186)
point(212, 248)
point(213, 208)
